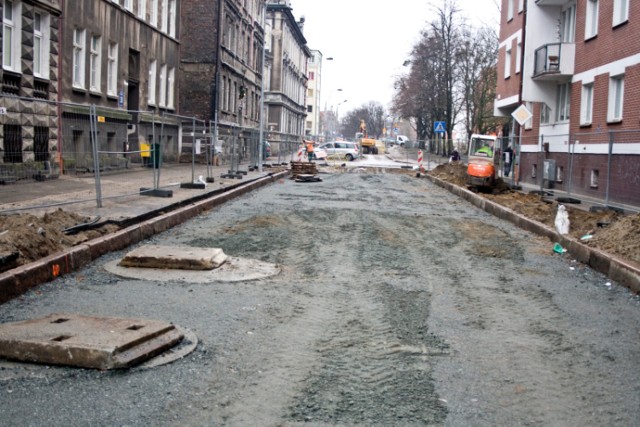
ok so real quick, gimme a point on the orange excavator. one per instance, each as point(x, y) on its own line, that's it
point(368, 144)
point(481, 169)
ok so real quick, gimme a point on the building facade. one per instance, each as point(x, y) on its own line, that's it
point(575, 64)
point(222, 63)
point(121, 56)
point(31, 51)
point(312, 126)
point(286, 80)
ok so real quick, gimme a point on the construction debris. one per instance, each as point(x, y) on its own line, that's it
point(304, 172)
point(174, 257)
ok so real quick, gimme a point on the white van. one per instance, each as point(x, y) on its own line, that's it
point(401, 139)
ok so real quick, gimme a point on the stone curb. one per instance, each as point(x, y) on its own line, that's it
point(19, 280)
point(615, 268)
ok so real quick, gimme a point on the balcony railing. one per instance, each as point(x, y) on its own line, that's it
point(554, 60)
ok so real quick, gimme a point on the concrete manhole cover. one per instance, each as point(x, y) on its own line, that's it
point(94, 342)
point(233, 270)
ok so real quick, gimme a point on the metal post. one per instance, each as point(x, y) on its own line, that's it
point(541, 164)
point(156, 173)
point(93, 135)
point(606, 194)
point(262, 106)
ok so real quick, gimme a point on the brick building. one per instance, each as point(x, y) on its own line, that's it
point(576, 66)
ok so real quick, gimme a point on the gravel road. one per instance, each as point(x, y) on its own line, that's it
point(397, 304)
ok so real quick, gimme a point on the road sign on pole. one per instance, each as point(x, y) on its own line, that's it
point(440, 127)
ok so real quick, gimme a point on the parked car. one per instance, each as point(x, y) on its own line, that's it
point(346, 149)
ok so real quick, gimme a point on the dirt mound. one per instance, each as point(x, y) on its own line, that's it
point(25, 238)
point(611, 232)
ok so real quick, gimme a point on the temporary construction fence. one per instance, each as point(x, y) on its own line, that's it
point(603, 167)
point(41, 140)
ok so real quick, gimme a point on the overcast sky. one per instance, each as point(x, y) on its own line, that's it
point(369, 40)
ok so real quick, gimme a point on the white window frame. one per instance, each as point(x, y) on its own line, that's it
point(153, 16)
point(95, 63)
point(11, 45)
point(591, 19)
point(507, 63)
point(620, 11)
point(545, 114)
point(171, 88)
point(112, 69)
point(128, 5)
point(616, 98)
point(568, 24)
point(164, 16)
point(41, 41)
point(172, 18)
point(586, 104)
point(142, 9)
point(595, 175)
point(563, 102)
point(520, 5)
point(79, 46)
point(510, 10)
point(153, 68)
point(518, 57)
point(162, 101)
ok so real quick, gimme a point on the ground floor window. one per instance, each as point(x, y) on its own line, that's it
point(41, 144)
point(12, 144)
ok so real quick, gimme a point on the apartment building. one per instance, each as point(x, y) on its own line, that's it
point(575, 65)
point(312, 129)
point(286, 80)
point(121, 56)
point(30, 54)
point(222, 63)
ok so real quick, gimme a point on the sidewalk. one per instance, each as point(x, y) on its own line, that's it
point(121, 198)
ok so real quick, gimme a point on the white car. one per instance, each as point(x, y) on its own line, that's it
point(346, 149)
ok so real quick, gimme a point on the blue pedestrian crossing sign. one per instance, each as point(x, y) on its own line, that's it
point(440, 127)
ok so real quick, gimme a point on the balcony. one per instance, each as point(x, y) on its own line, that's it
point(554, 62)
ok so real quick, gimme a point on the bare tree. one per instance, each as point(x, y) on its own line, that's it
point(373, 115)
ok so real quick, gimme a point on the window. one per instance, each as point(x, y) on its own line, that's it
point(95, 64)
point(41, 45)
point(616, 95)
point(78, 58)
point(128, 4)
point(559, 174)
point(518, 56)
point(164, 15)
point(594, 178)
point(12, 143)
point(11, 35)
point(545, 114)
point(510, 9)
point(142, 9)
point(112, 69)
point(586, 104)
point(309, 108)
point(312, 75)
point(153, 18)
point(568, 24)
point(152, 82)
point(162, 101)
point(171, 87)
point(172, 18)
point(534, 170)
point(520, 5)
point(507, 64)
point(591, 23)
point(563, 97)
point(620, 11)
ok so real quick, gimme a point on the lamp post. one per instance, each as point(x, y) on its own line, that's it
point(264, 48)
point(337, 112)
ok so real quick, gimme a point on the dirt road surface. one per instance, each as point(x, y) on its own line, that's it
point(398, 304)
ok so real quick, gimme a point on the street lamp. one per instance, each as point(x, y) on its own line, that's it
point(337, 122)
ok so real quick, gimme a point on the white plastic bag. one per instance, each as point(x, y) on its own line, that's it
point(562, 220)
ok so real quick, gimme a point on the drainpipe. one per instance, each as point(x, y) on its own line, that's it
point(216, 78)
point(59, 83)
point(518, 146)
